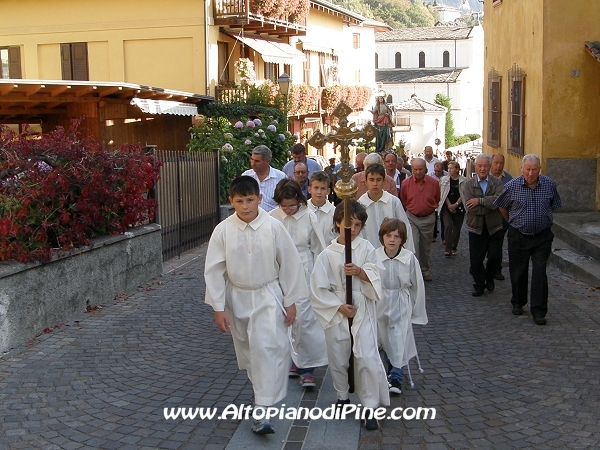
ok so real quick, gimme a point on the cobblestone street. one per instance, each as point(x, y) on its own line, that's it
point(497, 381)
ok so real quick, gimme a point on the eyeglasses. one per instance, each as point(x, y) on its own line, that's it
point(290, 208)
point(299, 172)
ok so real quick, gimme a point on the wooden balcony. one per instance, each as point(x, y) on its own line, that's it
point(237, 14)
point(230, 95)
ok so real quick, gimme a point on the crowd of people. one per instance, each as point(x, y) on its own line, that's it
point(286, 223)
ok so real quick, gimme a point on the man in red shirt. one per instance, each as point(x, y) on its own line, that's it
point(420, 196)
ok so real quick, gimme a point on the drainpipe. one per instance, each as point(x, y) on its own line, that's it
point(206, 47)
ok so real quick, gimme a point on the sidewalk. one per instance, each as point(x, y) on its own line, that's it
point(497, 380)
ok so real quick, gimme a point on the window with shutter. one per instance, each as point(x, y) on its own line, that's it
point(421, 59)
point(446, 59)
point(355, 40)
point(516, 112)
point(223, 51)
point(306, 66)
point(10, 62)
point(398, 60)
point(74, 61)
point(494, 108)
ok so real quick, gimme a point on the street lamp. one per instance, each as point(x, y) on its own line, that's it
point(437, 140)
point(284, 82)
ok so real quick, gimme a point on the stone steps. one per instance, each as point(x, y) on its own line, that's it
point(576, 246)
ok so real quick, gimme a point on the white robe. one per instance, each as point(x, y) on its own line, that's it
point(386, 206)
point(402, 304)
point(325, 218)
point(251, 272)
point(309, 338)
point(327, 294)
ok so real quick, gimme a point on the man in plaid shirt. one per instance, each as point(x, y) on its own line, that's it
point(527, 203)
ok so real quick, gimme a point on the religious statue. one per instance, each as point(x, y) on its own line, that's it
point(382, 117)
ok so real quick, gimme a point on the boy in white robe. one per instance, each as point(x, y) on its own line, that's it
point(252, 283)
point(328, 293)
point(403, 301)
point(381, 204)
point(318, 203)
point(301, 223)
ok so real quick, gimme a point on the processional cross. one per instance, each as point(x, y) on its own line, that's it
point(343, 136)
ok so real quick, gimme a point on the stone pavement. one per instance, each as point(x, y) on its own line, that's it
point(496, 380)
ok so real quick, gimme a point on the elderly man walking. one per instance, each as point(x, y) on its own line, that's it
point(527, 203)
point(484, 222)
point(267, 176)
point(420, 196)
point(360, 179)
point(505, 177)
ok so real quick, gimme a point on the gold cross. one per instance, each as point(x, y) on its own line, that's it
point(343, 136)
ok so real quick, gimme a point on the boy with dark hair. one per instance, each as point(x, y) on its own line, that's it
point(379, 205)
point(327, 295)
point(319, 190)
point(252, 284)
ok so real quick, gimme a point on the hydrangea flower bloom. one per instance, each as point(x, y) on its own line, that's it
point(227, 148)
point(250, 124)
point(239, 124)
point(228, 136)
point(247, 142)
point(281, 137)
point(272, 128)
point(257, 122)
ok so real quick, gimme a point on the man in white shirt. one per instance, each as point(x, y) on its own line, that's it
point(430, 160)
point(267, 176)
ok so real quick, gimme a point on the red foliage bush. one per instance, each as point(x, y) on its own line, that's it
point(62, 189)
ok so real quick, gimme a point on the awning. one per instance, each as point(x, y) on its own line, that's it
point(320, 48)
point(165, 107)
point(273, 51)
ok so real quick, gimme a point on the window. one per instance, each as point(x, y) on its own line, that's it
point(398, 60)
point(74, 61)
point(446, 58)
point(271, 71)
point(322, 71)
point(516, 110)
point(494, 108)
point(223, 49)
point(357, 75)
point(388, 100)
point(355, 40)
point(10, 62)
point(376, 61)
point(421, 59)
point(306, 67)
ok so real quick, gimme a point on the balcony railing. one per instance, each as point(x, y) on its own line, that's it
point(231, 94)
point(235, 13)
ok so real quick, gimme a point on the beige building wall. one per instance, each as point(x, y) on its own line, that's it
point(125, 39)
point(562, 89)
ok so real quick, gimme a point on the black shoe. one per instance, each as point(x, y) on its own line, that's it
point(490, 285)
point(477, 292)
point(499, 277)
point(262, 427)
point(341, 403)
point(517, 310)
point(371, 424)
point(539, 320)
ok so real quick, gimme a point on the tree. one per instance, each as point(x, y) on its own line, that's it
point(444, 100)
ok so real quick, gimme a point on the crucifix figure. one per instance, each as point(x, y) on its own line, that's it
point(342, 137)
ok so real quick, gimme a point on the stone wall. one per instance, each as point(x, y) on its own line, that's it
point(576, 182)
point(39, 295)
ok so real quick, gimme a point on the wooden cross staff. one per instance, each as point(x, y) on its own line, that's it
point(342, 137)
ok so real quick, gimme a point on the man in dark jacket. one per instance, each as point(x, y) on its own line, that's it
point(484, 222)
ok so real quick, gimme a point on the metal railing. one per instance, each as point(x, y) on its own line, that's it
point(188, 199)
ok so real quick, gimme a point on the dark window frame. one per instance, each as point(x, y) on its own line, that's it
point(494, 108)
point(74, 61)
point(14, 62)
point(516, 111)
point(446, 59)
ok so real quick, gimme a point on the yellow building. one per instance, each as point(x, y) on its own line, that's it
point(542, 91)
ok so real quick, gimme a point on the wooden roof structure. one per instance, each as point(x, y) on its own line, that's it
point(32, 101)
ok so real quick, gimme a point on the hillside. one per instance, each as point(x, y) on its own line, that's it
point(403, 13)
